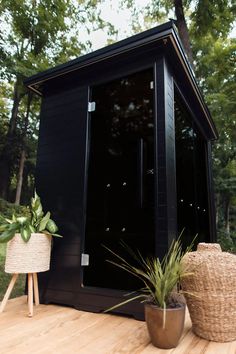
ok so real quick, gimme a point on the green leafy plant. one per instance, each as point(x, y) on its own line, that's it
point(161, 279)
point(227, 241)
point(7, 209)
point(35, 222)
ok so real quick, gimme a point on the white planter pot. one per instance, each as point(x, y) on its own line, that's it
point(28, 257)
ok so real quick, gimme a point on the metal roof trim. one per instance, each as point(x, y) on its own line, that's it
point(118, 48)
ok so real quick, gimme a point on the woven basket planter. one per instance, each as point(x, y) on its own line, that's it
point(28, 257)
point(211, 292)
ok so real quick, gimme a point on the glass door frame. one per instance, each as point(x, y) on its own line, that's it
point(122, 73)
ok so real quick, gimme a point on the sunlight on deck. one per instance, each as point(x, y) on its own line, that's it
point(57, 329)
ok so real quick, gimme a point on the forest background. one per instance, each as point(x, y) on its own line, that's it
point(38, 34)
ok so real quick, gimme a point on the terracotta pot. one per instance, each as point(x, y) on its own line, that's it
point(28, 257)
point(167, 337)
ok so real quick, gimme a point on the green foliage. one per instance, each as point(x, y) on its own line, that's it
point(216, 70)
point(227, 242)
point(8, 209)
point(5, 90)
point(204, 16)
point(36, 35)
point(5, 278)
point(214, 17)
point(160, 278)
point(35, 222)
point(39, 34)
point(32, 32)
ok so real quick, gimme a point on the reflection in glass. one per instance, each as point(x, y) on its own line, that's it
point(191, 177)
point(120, 199)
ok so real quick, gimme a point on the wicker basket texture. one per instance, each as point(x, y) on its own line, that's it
point(28, 257)
point(211, 292)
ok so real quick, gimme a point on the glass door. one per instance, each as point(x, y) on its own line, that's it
point(191, 177)
point(120, 192)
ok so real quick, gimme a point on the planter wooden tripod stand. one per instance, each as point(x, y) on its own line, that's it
point(28, 258)
point(33, 292)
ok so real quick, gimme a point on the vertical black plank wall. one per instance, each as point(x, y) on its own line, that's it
point(170, 154)
point(165, 159)
point(63, 155)
point(60, 183)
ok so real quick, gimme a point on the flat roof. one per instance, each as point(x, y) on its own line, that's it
point(161, 32)
point(117, 48)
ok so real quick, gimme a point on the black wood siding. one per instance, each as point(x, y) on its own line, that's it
point(165, 135)
point(60, 183)
point(170, 154)
point(61, 173)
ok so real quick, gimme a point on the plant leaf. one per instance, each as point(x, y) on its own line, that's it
point(57, 235)
point(124, 302)
point(22, 220)
point(25, 233)
point(51, 226)
point(4, 227)
point(160, 278)
point(6, 236)
point(9, 221)
point(50, 233)
point(32, 229)
point(44, 221)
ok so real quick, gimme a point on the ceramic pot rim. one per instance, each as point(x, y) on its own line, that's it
point(180, 306)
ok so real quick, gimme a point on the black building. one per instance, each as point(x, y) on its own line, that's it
point(124, 153)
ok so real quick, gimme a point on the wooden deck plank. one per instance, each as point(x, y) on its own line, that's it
point(125, 337)
point(42, 336)
point(16, 335)
point(18, 315)
point(59, 330)
point(91, 338)
point(221, 348)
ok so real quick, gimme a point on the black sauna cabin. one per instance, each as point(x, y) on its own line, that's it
point(124, 153)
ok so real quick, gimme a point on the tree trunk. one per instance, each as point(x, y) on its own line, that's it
point(226, 216)
point(20, 177)
point(23, 151)
point(217, 204)
point(27, 186)
point(5, 173)
point(16, 102)
point(183, 29)
point(6, 158)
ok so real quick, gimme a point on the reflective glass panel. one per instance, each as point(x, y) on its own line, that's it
point(191, 177)
point(120, 194)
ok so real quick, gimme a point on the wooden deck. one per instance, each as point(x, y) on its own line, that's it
point(56, 329)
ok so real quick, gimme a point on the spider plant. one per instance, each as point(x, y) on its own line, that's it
point(35, 222)
point(161, 279)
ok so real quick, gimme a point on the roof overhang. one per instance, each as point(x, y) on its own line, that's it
point(167, 33)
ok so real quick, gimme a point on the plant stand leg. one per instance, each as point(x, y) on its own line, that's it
point(8, 292)
point(30, 294)
point(36, 289)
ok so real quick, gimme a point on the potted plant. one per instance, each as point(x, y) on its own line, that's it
point(164, 302)
point(28, 239)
